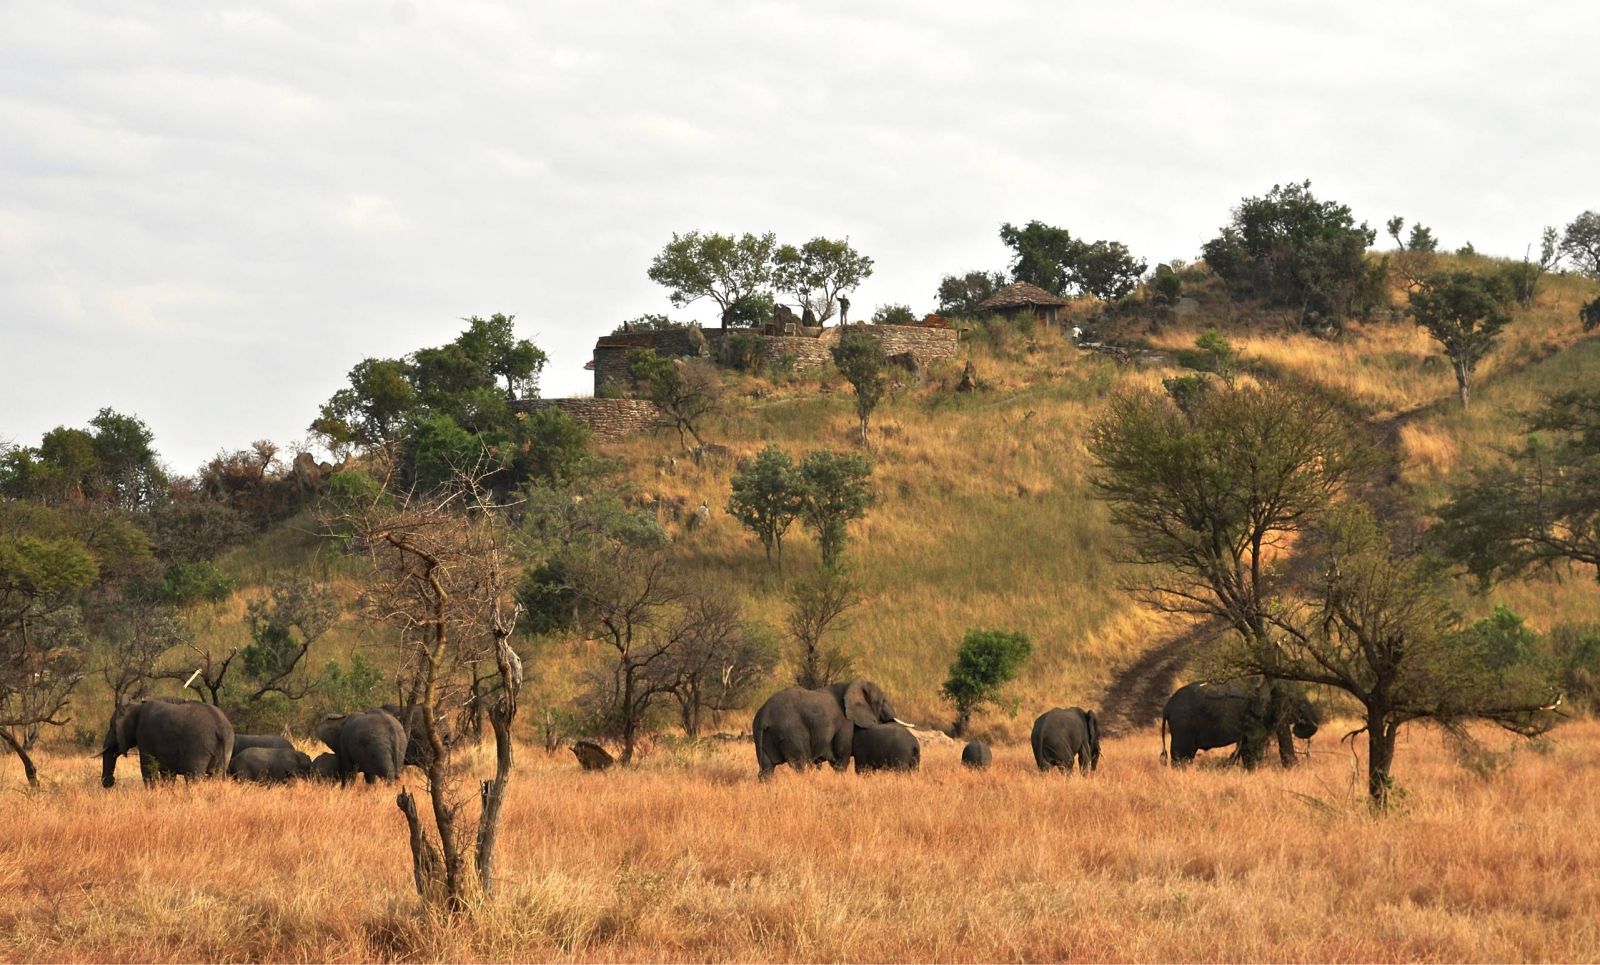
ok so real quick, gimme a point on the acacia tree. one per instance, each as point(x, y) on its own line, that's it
point(730, 271)
point(818, 272)
point(1209, 499)
point(284, 625)
point(860, 359)
point(1464, 313)
point(719, 661)
point(440, 576)
point(1541, 506)
point(1379, 628)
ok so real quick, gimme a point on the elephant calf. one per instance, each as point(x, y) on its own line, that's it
point(1064, 736)
point(886, 747)
point(325, 768)
point(269, 765)
point(976, 755)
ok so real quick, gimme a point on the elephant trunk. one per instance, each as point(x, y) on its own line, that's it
point(108, 767)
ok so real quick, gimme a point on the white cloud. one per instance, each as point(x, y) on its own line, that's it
point(188, 193)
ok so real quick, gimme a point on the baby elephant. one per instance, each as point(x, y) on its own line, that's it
point(976, 755)
point(1064, 737)
point(886, 747)
point(269, 765)
point(325, 768)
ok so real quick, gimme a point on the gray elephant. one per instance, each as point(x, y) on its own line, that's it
point(803, 728)
point(1066, 736)
point(885, 747)
point(1246, 713)
point(173, 736)
point(976, 755)
point(418, 751)
point(247, 741)
point(325, 768)
point(269, 765)
point(370, 741)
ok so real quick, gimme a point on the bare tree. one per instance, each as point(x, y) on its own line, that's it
point(295, 613)
point(719, 660)
point(816, 604)
point(440, 576)
point(133, 645)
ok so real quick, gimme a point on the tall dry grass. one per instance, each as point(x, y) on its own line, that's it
point(689, 858)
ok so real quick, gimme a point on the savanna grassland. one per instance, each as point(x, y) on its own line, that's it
point(687, 857)
point(985, 518)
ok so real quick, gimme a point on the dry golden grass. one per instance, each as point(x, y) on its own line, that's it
point(689, 858)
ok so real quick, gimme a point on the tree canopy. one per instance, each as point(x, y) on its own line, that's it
point(1051, 258)
point(731, 271)
point(1291, 250)
point(818, 272)
point(1464, 313)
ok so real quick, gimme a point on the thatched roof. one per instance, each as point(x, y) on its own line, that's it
point(1018, 294)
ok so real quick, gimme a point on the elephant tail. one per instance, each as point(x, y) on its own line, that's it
point(1164, 758)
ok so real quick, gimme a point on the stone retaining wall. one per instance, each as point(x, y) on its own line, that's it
point(606, 418)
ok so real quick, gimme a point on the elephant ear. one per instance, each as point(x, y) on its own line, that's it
point(858, 703)
point(127, 726)
point(328, 730)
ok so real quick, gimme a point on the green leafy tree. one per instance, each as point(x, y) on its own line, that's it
point(1464, 313)
point(1209, 498)
point(493, 342)
point(648, 323)
point(370, 410)
point(818, 272)
point(960, 295)
point(838, 491)
point(986, 661)
point(1540, 507)
point(293, 616)
point(1051, 258)
point(768, 496)
point(113, 463)
point(1379, 628)
point(1291, 250)
point(860, 359)
point(686, 391)
point(730, 271)
point(1040, 254)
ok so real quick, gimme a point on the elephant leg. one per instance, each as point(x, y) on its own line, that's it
point(1183, 750)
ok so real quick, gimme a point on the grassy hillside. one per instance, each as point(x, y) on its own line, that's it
point(985, 518)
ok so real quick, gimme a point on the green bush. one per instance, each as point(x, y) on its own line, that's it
point(745, 351)
point(986, 661)
point(893, 315)
point(189, 583)
point(1167, 285)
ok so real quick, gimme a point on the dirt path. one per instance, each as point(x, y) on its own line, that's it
point(1136, 695)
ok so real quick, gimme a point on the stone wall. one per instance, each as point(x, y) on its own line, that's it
point(927, 344)
point(610, 364)
point(611, 353)
point(606, 418)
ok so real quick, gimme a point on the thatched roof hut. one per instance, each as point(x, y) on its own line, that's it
point(1019, 297)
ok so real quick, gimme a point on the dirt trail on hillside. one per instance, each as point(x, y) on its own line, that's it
point(1136, 695)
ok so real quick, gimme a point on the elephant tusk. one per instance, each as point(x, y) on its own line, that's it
point(905, 723)
point(196, 673)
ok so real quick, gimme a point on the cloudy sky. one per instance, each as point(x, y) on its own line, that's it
point(210, 211)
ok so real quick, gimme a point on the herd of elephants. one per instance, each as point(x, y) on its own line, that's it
point(799, 727)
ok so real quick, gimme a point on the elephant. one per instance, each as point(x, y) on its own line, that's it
point(370, 741)
point(418, 751)
point(885, 747)
point(1245, 712)
point(173, 736)
point(976, 755)
point(269, 765)
point(803, 728)
point(244, 741)
point(1066, 736)
point(325, 767)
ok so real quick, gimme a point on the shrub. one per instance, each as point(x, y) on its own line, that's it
point(745, 351)
point(189, 583)
point(986, 661)
point(893, 315)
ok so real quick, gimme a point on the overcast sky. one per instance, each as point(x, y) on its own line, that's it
point(210, 211)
